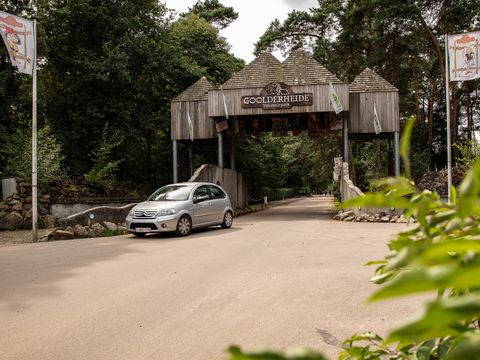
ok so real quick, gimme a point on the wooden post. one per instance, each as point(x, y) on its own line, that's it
point(233, 155)
point(220, 150)
point(396, 140)
point(190, 158)
point(175, 161)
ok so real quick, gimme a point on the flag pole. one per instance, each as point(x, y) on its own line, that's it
point(34, 138)
point(449, 135)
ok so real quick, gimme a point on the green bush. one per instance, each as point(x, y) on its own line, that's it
point(104, 166)
point(49, 157)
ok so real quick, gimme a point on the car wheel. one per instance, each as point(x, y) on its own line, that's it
point(184, 226)
point(227, 220)
point(139, 234)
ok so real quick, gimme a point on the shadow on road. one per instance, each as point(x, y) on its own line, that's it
point(31, 271)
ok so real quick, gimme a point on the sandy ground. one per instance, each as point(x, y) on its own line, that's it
point(286, 276)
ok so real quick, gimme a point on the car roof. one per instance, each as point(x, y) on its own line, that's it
point(194, 183)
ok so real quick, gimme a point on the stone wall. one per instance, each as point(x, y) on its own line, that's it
point(16, 209)
point(230, 180)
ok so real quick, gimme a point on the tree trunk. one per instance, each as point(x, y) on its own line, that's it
point(431, 102)
point(469, 115)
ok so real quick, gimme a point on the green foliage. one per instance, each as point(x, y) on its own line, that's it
point(292, 354)
point(468, 152)
point(440, 253)
point(49, 156)
point(104, 165)
point(214, 12)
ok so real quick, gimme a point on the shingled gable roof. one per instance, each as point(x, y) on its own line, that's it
point(300, 68)
point(258, 73)
point(196, 92)
point(370, 81)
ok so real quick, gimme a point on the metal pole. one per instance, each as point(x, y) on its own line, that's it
point(220, 149)
point(175, 161)
point(190, 158)
point(233, 155)
point(34, 138)
point(345, 139)
point(396, 141)
point(449, 135)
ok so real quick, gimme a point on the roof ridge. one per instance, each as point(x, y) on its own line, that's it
point(197, 91)
point(369, 81)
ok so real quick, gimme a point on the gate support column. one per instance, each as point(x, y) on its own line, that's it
point(175, 161)
point(190, 158)
point(233, 155)
point(220, 150)
point(396, 140)
point(345, 139)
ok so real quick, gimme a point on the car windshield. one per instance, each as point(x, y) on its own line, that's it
point(171, 193)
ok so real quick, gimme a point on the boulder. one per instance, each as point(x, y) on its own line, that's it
point(11, 221)
point(4, 207)
point(12, 201)
point(17, 207)
point(60, 235)
point(44, 199)
point(91, 233)
point(49, 221)
point(385, 218)
point(28, 200)
point(97, 228)
point(42, 210)
point(345, 215)
point(122, 229)
point(80, 231)
point(110, 226)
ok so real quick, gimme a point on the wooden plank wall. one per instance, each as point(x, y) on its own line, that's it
point(203, 125)
point(361, 112)
point(321, 101)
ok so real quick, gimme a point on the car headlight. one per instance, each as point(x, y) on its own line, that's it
point(166, 212)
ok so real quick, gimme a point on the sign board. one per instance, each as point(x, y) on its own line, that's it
point(463, 52)
point(277, 95)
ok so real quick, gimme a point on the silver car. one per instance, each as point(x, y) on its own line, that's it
point(180, 208)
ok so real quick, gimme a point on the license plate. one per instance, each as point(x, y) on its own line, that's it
point(143, 230)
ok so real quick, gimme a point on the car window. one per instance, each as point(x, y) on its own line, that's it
point(217, 193)
point(201, 191)
point(171, 193)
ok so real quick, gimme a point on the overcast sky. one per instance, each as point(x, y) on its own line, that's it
point(254, 16)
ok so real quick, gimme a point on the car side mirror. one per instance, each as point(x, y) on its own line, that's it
point(199, 199)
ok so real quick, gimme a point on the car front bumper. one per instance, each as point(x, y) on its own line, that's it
point(152, 225)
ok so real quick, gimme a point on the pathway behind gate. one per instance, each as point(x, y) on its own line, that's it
point(286, 276)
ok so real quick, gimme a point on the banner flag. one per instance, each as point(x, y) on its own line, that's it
point(376, 122)
point(463, 52)
point(224, 102)
point(17, 33)
point(190, 126)
point(337, 105)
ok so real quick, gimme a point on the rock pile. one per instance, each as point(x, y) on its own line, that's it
point(16, 210)
point(80, 232)
point(437, 181)
point(380, 217)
